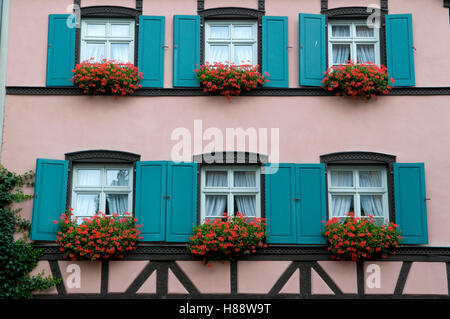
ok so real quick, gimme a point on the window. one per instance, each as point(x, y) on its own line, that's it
point(359, 189)
point(111, 39)
point(232, 41)
point(352, 40)
point(106, 188)
point(226, 189)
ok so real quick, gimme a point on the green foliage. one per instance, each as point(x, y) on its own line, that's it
point(17, 258)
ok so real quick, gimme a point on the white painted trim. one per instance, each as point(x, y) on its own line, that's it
point(6, 5)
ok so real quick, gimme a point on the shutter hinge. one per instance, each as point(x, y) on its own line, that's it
point(166, 197)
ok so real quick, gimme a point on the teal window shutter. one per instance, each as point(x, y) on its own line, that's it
point(311, 204)
point(182, 201)
point(60, 50)
point(312, 51)
point(400, 49)
point(275, 50)
point(410, 202)
point(186, 50)
point(151, 50)
point(280, 205)
point(150, 202)
point(50, 190)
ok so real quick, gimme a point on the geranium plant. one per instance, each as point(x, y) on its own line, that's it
point(357, 239)
point(365, 80)
point(227, 238)
point(99, 237)
point(229, 79)
point(107, 77)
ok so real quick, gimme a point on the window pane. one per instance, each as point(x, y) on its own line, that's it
point(96, 51)
point(96, 30)
point(216, 179)
point(245, 204)
point(244, 179)
point(215, 205)
point(365, 52)
point(218, 53)
point(340, 31)
point(342, 205)
point(341, 178)
point(88, 178)
point(219, 32)
point(243, 54)
point(372, 205)
point(120, 30)
point(363, 31)
point(117, 177)
point(116, 204)
point(370, 179)
point(120, 52)
point(87, 205)
point(341, 53)
point(243, 32)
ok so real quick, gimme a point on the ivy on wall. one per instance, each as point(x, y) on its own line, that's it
point(17, 257)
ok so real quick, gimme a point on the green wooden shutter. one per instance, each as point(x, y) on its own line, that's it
point(311, 207)
point(49, 202)
point(151, 50)
point(275, 50)
point(186, 50)
point(410, 202)
point(312, 52)
point(150, 204)
point(60, 51)
point(280, 205)
point(400, 49)
point(182, 202)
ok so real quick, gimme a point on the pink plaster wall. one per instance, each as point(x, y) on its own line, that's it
point(214, 279)
point(258, 277)
point(427, 278)
point(122, 3)
point(122, 273)
point(351, 3)
point(90, 276)
point(43, 268)
point(414, 129)
point(388, 275)
point(231, 3)
point(343, 274)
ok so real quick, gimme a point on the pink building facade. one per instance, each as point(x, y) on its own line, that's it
point(400, 139)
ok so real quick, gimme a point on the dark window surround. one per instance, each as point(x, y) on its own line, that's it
point(358, 13)
point(109, 12)
point(365, 158)
point(234, 13)
point(99, 156)
point(231, 158)
point(447, 5)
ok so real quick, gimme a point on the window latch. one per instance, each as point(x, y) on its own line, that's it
point(166, 197)
point(427, 199)
point(296, 199)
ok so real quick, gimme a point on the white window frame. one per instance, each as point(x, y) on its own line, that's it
point(107, 39)
point(356, 190)
point(102, 190)
point(231, 42)
point(352, 40)
point(230, 190)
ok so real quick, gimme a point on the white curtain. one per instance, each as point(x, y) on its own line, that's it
point(341, 204)
point(363, 31)
point(120, 52)
point(245, 204)
point(87, 205)
point(243, 54)
point(242, 32)
point(219, 32)
point(341, 31)
point(96, 51)
point(371, 204)
point(341, 53)
point(365, 53)
point(215, 204)
point(117, 203)
point(88, 177)
point(218, 53)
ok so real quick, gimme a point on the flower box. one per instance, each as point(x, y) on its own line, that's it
point(229, 79)
point(227, 238)
point(100, 237)
point(359, 239)
point(107, 77)
point(364, 80)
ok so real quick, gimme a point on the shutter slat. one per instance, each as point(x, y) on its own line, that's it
point(151, 50)
point(400, 49)
point(410, 202)
point(150, 206)
point(49, 202)
point(186, 50)
point(182, 201)
point(275, 50)
point(60, 51)
point(312, 51)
